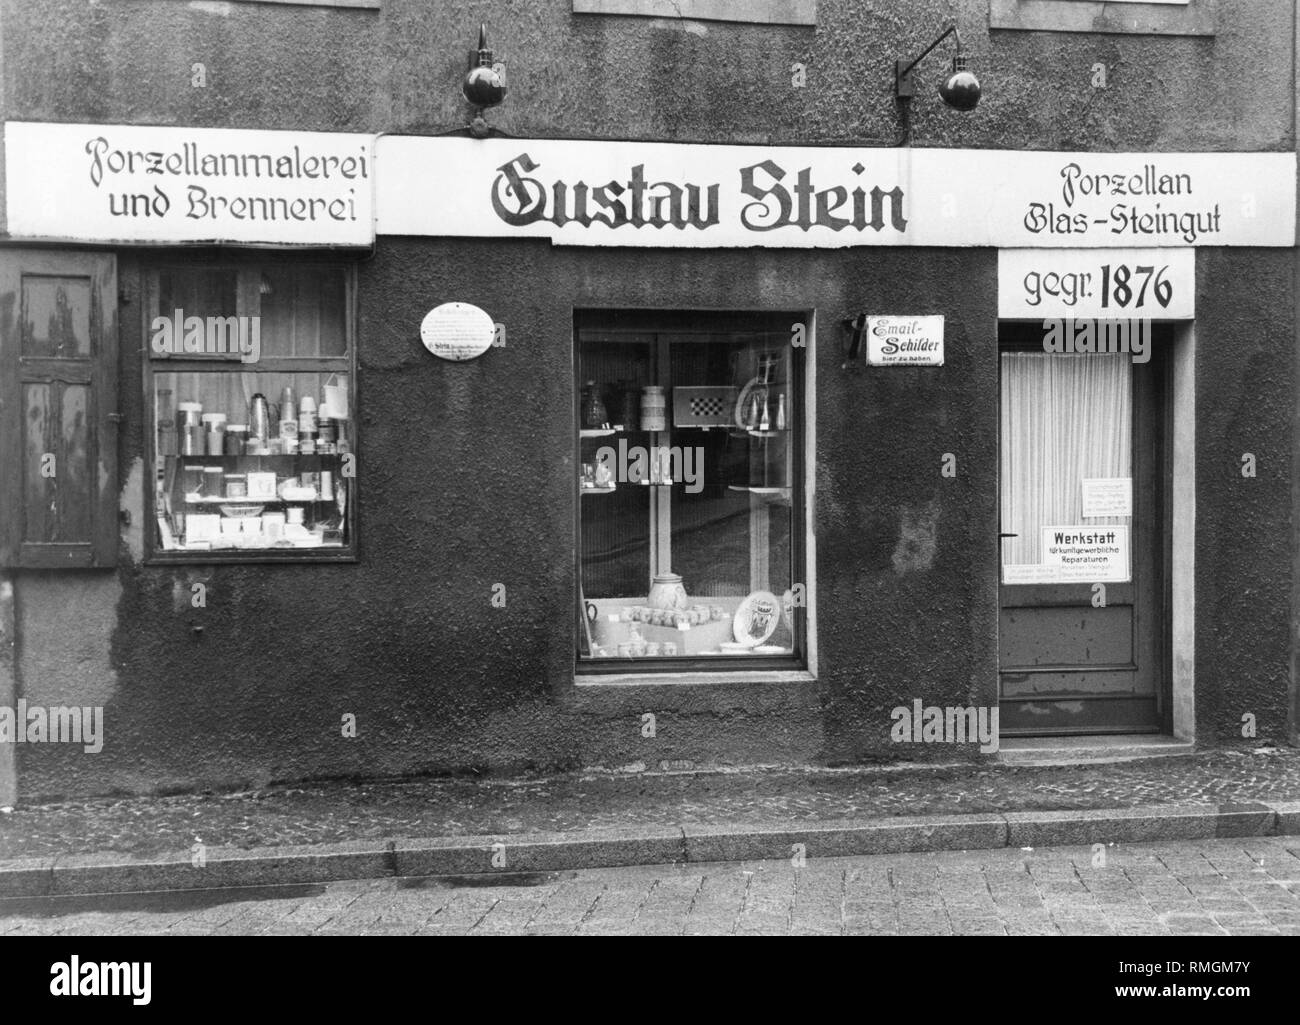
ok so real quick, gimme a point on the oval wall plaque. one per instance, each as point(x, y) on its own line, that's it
point(457, 331)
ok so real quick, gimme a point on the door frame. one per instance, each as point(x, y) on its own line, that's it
point(1175, 422)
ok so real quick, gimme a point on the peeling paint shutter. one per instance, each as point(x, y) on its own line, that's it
point(58, 404)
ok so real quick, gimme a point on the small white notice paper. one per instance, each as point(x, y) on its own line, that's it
point(1107, 496)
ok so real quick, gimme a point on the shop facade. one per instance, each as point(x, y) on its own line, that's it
point(637, 454)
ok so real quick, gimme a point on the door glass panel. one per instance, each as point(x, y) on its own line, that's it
point(40, 512)
point(56, 317)
point(1066, 477)
point(74, 464)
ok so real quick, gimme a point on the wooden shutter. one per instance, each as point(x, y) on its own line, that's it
point(58, 408)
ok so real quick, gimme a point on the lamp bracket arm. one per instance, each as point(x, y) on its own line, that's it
point(951, 30)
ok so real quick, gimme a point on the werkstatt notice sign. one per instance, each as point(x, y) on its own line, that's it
point(905, 341)
point(1093, 554)
point(133, 183)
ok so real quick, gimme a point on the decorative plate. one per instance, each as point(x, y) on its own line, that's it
point(756, 618)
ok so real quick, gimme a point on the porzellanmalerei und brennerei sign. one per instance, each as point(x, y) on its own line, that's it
point(666, 195)
point(138, 183)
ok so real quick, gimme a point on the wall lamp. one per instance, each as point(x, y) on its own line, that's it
point(960, 90)
point(484, 84)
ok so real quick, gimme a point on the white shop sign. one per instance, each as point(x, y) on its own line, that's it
point(457, 331)
point(688, 195)
point(1091, 554)
point(1159, 284)
point(1107, 496)
point(132, 183)
point(905, 341)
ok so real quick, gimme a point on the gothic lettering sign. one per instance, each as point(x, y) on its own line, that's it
point(669, 195)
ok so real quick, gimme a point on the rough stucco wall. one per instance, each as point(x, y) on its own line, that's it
point(466, 479)
point(398, 69)
point(1245, 400)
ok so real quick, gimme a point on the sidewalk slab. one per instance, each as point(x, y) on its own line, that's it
point(837, 839)
point(536, 852)
point(111, 873)
point(1135, 825)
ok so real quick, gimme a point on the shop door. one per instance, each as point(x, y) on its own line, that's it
point(1081, 623)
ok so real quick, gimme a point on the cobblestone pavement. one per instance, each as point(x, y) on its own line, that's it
point(418, 809)
point(1204, 887)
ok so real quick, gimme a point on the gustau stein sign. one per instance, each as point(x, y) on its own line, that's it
point(905, 341)
point(662, 195)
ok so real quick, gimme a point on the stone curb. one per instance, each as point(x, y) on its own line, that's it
point(67, 875)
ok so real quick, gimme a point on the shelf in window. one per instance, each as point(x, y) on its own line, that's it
point(279, 457)
point(758, 491)
point(767, 434)
point(599, 491)
point(605, 432)
point(210, 500)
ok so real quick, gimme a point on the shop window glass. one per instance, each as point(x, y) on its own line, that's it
point(690, 434)
point(253, 421)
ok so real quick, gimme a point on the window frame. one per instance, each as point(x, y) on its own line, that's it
point(150, 269)
point(800, 665)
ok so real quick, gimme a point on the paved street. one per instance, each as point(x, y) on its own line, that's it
point(1216, 887)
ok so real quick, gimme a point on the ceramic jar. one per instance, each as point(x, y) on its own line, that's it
point(667, 592)
point(653, 409)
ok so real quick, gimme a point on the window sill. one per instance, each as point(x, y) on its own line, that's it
point(369, 5)
point(753, 12)
point(1196, 18)
point(693, 678)
point(248, 556)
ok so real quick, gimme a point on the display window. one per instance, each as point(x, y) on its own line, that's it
point(690, 434)
point(250, 384)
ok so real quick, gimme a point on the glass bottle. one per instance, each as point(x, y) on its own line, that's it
point(594, 414)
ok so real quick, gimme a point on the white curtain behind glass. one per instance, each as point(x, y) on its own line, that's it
point(1065, 417)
